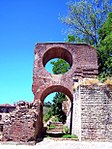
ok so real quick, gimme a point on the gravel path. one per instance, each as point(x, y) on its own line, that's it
point(51, 144)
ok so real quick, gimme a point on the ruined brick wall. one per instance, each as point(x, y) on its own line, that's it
point(81, 57)
point(96, 112)
point(21, 124)
point(4, 110)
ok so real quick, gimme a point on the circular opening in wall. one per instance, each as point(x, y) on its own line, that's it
point(57, 66)
point(57, 60)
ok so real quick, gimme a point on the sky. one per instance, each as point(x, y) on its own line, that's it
point(23, 23)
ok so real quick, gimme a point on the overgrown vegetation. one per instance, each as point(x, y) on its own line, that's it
point(55, 109)
point(105, 49)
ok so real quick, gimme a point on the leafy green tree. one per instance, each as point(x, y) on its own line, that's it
point(84, 19)
point(105, 48)
point(60, 66)
point(57, 106)
point(72, 38)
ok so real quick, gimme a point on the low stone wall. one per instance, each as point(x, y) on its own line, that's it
point(21, 124)
point(96, 112)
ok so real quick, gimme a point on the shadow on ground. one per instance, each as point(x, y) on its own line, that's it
point(54, 135)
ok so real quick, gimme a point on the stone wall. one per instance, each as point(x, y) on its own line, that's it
point(21, 124)
point(76, 120)
point(96, 112)
point(4, 110)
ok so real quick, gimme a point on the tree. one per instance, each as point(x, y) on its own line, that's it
point(60, 66)
point(105, 48)
point(85, 20)
point(85, 17)
point(72, 38)
point(57, 106)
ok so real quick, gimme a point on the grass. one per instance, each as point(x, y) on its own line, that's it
point(69, 136)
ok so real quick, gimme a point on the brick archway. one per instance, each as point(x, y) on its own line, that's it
point(82, 59)
point(56, 88)
point(62, 89)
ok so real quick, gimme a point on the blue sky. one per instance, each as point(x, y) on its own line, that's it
point(23, 23)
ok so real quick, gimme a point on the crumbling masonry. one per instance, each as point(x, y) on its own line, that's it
point(91, 102)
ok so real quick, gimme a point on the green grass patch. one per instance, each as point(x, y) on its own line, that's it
point(69, 136)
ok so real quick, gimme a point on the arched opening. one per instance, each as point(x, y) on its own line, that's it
point(56, 105)
point(59, 108)
point(56, 88)
point(60, 57)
